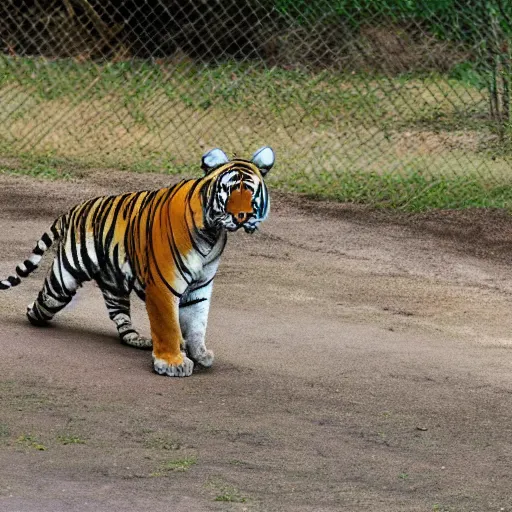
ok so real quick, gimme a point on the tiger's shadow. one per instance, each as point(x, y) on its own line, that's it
point(87, 336)
point(60, 330)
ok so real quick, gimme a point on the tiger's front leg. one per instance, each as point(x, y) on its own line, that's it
point(194, 308)
point(163, 311)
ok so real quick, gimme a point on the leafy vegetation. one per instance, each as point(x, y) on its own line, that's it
point(30, 441)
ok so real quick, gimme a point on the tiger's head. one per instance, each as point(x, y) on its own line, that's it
point(237, 196)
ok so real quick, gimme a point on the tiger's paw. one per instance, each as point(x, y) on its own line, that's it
point(134, 339)
point(203, 357)
point(33, 319)
point(181, 369)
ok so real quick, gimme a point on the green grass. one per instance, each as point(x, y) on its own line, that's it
point(30, 441)
point(36, 171)
point(411, 191)
point(408, 142)
point(66, 439)
point(175, 465)
point(225, 492)
point(230, 497)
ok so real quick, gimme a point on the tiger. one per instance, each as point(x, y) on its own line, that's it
point(163, 244)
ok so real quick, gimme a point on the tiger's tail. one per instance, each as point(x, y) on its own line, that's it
point(30, 264)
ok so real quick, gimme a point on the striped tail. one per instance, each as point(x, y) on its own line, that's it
point(29, 265)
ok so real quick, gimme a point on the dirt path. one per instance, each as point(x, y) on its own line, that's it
point(359, 366)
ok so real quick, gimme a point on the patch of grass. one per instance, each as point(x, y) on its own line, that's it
point(439, 508)
point(38, 171)
point(231, 497)
point(403, 476)
point(225, 492)
point(30, 441)
point(411, 191)
point(180, 464)
point(176, 465)
point(66, 439)
point(37, 166)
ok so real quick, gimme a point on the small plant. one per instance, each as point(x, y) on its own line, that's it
point(226, 493)
point(30, 441)
point(403, 476)
point(178, 465)
point(230, 497)
point(439, 508)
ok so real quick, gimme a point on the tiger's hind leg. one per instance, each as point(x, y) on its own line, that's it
point(118, 307)
point(58, 290)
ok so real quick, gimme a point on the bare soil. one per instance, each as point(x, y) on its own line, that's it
point(363, 362)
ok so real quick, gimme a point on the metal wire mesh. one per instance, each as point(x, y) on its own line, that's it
point(365, 100)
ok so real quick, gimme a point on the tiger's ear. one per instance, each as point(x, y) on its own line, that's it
point(213, 159)
point(264, 159)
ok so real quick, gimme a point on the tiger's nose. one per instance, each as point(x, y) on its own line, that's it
point(241, 217)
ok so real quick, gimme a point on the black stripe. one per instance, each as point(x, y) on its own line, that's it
point(47, 240)
point(177, 257)
point(168, 286)
point(149, 230)
point(192, 302)
point(55, 232)
point(57, 287)
point(86, 260)
point(116, 263)
point(110, 233)
point(178, 260)
point(141, 294)
point(39, 314)
point(130, 205)
point(53, 310)
point(3, 286)
point(21, 273)
point(77, 274)
point(128, 331)
point(202, 286)
point(14, 280)
point(153, 205)
point(74, 248)
point(99, 228)
point(37, 250)
point(195, 230)
point(30, 268)
point(62, 285)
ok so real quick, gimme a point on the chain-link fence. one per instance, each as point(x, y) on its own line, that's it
point(401, 102)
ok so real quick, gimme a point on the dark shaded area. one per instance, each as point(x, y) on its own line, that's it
point(94, 28)
point(348, 35)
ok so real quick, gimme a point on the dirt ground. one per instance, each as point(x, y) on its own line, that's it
point(363, 363)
